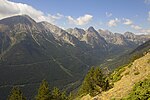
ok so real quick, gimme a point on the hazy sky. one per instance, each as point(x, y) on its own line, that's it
point(114, 15)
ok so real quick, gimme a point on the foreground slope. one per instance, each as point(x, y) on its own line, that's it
point(133, 73)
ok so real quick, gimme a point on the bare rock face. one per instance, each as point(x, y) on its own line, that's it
point(128, 38)
point(138, 39)
point(15, 29)
point(94, 38)
point(113, 38)
point(59, 34)
point(77, 32)
point(130, 35)
point(89, 36)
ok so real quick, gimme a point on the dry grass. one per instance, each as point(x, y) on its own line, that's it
point(124, 86)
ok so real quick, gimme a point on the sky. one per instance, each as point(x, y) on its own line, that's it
point(117, 16)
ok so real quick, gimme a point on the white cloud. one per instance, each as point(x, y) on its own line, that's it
point(136, 27)
point(108, 14)
point(9, 8)
point(82, 20)
point(127, 22)
point(145, 31)
point(140, 29)
point(132, 25)
point(57, 16)
point(147, 1)
point(113, 22)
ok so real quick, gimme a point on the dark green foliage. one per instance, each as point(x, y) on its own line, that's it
point(127, 73)
point(43, 92)
point(116, 75)
point(129, 65)
point(94, 82)
point(136, 73)
point(106, 85)
point(141, 91)
point(148, 61)
point(136, 56)
point(140, 51)
point(127, 57)
point(64, 96)
point(58, 95)
point(16, 94)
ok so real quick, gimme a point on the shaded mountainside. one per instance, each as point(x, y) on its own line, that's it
point(142, 48)
point(31, 52)
point(135, 72)
point(128, 57)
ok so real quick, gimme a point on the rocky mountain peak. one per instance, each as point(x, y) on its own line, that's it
point(91, 32)
point(80, 31)
point(105, 33)
point(129, 35)
point(18, 24)
point(91, 29)
point(20, 19)
point(69, 30)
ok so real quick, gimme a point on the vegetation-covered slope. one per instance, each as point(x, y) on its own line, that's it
point(138, 71)
point(127, 57)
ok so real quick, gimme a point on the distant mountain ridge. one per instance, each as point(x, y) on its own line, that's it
point(31, 52)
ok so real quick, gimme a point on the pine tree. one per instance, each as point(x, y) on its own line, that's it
point(87, 84)
point(16, 94)
point(44, 91)
point(106, 85)
point(98, 77)
point(64, 96)
point(58, 95)
point(94, 82)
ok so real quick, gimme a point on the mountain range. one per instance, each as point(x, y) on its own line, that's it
point(31, 51)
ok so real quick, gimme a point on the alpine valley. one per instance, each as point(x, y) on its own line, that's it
point(31, 51)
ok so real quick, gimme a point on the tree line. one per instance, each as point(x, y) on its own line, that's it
point(44, 93)
point(94, 83)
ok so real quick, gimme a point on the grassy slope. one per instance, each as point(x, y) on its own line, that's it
point(138, 71)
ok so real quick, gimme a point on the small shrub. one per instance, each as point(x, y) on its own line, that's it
point(141, 91)
point(127, 73)
point(136, 73)
point(116, 75)
point(113, 99)
point(148, 61)
point(129, 65)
